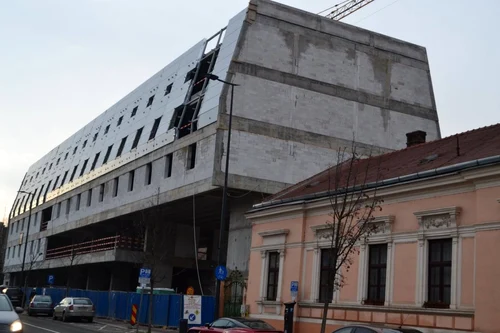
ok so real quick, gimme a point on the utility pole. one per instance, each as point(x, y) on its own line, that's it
point(26, 242)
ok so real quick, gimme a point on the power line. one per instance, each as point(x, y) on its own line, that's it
point(392, 3)
point(330, 8)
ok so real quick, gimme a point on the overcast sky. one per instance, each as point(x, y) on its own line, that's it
point(65, 62)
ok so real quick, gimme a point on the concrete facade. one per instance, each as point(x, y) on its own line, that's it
point(308, 86)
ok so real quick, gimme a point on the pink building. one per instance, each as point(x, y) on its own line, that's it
point(431, 265)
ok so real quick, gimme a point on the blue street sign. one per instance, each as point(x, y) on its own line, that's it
point(50, 279)
point(192, 317)
point(145, 273)
point(294, 286)
point(221, 273)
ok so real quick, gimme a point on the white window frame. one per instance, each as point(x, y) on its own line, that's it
point(437, 224)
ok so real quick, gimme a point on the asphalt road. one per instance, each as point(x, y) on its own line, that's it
point(47, 325)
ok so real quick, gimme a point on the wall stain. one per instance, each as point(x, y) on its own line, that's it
point(386, 117)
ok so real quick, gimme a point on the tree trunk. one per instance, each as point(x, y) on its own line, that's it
point(150, 307)
point(323, 319)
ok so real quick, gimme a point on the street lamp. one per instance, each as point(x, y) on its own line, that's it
point(220, 258)
point(27, 235)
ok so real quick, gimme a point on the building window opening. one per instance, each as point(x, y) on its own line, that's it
point(156, 124)
point(95, 137)
point(94, 163)
point(327, 276)
point(137, 138)
point(206, 66)
point(168, 165)
point(106, 157)
point(149, 172)
point(116, 183)
point(58, 210)
point(82, 171)
point(46, 191)
point(192, 156)
point(74, 150)
point(131, 176)
point(55, 183)
point(273, 270)
point(101, 192)
point(119, 121)
point(150, 101)
point(68, 206)
point(439, 278)
point(190, 75)
point(183, 118)
point(78, 201)
point(84, 144)
point(134, 111)
point(89, 198)
point(168, 89)
point(73, 173)
point(120, 148)
point(46, 217)
point(106, 130)
point(377, 265)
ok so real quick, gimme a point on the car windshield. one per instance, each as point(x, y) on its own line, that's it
point(5, 304)
point(43, 299)
point(82, 301)
point(256, 324)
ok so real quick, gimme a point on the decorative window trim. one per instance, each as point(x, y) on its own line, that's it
point(437, 224)
point(263, 301)
point(277, 232)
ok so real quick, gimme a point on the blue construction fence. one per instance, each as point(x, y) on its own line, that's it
point(167, 309)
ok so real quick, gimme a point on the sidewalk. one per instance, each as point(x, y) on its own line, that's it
point(129, 328)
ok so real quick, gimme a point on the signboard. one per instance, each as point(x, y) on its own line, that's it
point(294, 289)
point(221, 273)
point(50, 279)
point(190, 291)
point(192, 309)
point(144, 276)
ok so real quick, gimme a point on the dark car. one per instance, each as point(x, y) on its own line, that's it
point(15, 295)
point(374, 329)
point(9, 318)
point(236, 325)
point(41, 304)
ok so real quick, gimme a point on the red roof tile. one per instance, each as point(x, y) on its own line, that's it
point(475, 144)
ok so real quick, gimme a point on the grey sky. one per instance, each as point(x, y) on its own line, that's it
point(64, 62)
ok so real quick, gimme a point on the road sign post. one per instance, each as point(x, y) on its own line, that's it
point(144, 279)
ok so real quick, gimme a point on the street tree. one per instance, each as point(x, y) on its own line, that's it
point(353, 200)
point(33, 263)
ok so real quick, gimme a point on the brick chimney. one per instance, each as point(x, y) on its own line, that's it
point(415, 138)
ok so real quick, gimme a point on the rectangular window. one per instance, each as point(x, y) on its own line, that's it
point(192, 156)
point(89, 198)
point(84, 167)
point(95, 137)
point(46, 191)
point(58, 160)
point(149, 171)
point(35, 219)
point(78, 200)
point(66, 156)
point(273, 270)
point(116, 183)
point(8, 253)
point(377, 265)
point(50, 166)
point(17, 227)
point(326, 277)
point(150, 101)
point(31, 247)
point(120, 148)
point(43, 171)
point(168, 165)
point(58, 210)
point(168, 89)
point(74, 150)
point(137, 138)
point(38, 246)
point(68, 206)
point(73, 173)
point(11, 228)
point(39, 195)
point(94, 163)
point(106, 130)
point(106, 157)
point(55, 183)
point(84, 144)
point(64, 177)
point(134, 111)
point(155, 128)
point(22, 225)
point(439, 283)
point(19, 251)
point(131, 176)
point(119, 121)
point(101, 192)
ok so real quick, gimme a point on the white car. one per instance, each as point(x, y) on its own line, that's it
point(74, 308)
point(9, 318)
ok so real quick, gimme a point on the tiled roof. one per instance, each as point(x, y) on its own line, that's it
point(459, 148)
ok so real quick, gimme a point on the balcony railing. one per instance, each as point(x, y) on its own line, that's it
point(97, 245)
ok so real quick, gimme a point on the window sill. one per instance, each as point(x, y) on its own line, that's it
point(391, 308)
point(268, 303)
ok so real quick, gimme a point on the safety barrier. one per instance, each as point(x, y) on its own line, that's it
point(167, 309)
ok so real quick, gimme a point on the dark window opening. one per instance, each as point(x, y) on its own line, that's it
point(168, 89)
point(39, 195)
point(183, 118)
point(66, 156)
point(327, 276)
point(192, 156)
point(168, 165)
point(149, 173)
point(106, 157)
point(106, 130)
point(116, 183)
point(82, 171)
point(94, 163)
point(73, 173)
point(176, 117)
point(74, 150)
point(377, 264)
point(46, 217)
point(64, 177)
point(134, 111)
point(273, 270)
point(95, 137)
point(37, 174)
point(156, 124)
point(137, 138)
point(439, 283)
point(89, 198)
point(119, 121)
point(50, 166)
point(120, 148)
point(101, 192)
point(68, 206)
point(84, 144)
point(131, 176)
point(47, 191)
point(58, 160)
point(55, 183)
point(206, 66)
point(78, 201)
point(190, 75)
point(150, 101)
point(58, 210)
point(43, 171)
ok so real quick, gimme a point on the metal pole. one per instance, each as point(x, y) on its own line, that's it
point(139, 310)
point(221, 258)
point(25, 249)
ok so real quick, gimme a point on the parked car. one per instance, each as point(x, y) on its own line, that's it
point(41, 304)
point(374, 329)
point(236, 325)
point(14, 294)
point(9, 318)
point(74, 308)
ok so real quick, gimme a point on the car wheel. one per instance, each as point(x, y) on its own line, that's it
point(54, 316)
point(64, 318)
point(29, 313)
point(90, 319)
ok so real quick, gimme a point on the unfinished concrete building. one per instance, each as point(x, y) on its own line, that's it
point(308, 85)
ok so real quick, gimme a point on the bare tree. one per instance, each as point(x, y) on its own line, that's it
point(69, 262)
point(353, 200)
point(155, 229)
point(33, 263)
